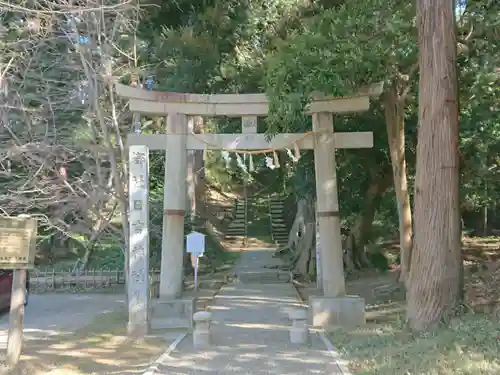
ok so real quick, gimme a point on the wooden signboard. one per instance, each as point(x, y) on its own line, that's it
point(17, 242)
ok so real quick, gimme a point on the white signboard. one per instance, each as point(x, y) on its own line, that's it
point(195, 243)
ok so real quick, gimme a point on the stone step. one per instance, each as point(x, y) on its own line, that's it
point(278, 221)
point(235, 239)
point(233, 235)
point(263, 277)
point(281, 239)
point(279, 227)
point(237, 224)
point(236, 229)
point(280, 230)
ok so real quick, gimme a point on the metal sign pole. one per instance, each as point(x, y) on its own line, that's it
point(196, 273)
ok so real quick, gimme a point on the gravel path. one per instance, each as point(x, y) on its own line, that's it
point(250, 333)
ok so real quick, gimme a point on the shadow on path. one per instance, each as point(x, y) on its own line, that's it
point(250, 332)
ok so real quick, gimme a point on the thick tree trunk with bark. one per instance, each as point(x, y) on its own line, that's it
point(301, 238)
point(394, 107)
point(434, 283)
point(362, 228)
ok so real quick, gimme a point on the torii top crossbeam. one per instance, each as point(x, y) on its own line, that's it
point(236, 105)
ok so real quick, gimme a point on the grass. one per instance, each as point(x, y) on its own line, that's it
point(470, 346)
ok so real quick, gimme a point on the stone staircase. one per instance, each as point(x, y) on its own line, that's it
point(237, 229)
point(279, 230)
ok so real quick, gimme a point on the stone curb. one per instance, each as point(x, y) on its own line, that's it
point(341, 363)
point(154, 367)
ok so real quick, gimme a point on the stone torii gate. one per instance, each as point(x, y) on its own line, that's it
point(180, 110)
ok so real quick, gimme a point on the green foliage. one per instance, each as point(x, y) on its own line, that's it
point(291, 49)
point(337, 52)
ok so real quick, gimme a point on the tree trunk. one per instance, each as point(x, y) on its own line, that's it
point(434, 283)
point(305, 249)
point(364, 225)
point(394, 107)
point(301, 238)
point(354, 244)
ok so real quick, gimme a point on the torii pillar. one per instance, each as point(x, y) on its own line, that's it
point(174, 204)
point(327, 210)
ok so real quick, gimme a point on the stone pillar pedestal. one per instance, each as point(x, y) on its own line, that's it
point(329, 312)
point(172, 314)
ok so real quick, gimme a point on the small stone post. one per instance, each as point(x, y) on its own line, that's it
point(299, 332)
point(201, 334)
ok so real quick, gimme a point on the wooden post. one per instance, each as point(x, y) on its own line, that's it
point(16, 318)
point(137, 286)
point(332, 267)
point(174, 204)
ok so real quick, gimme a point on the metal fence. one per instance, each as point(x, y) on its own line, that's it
point(107, 280)
point(50, 280)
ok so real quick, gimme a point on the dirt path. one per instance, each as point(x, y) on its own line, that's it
point(81, 335)
point(53, 312)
